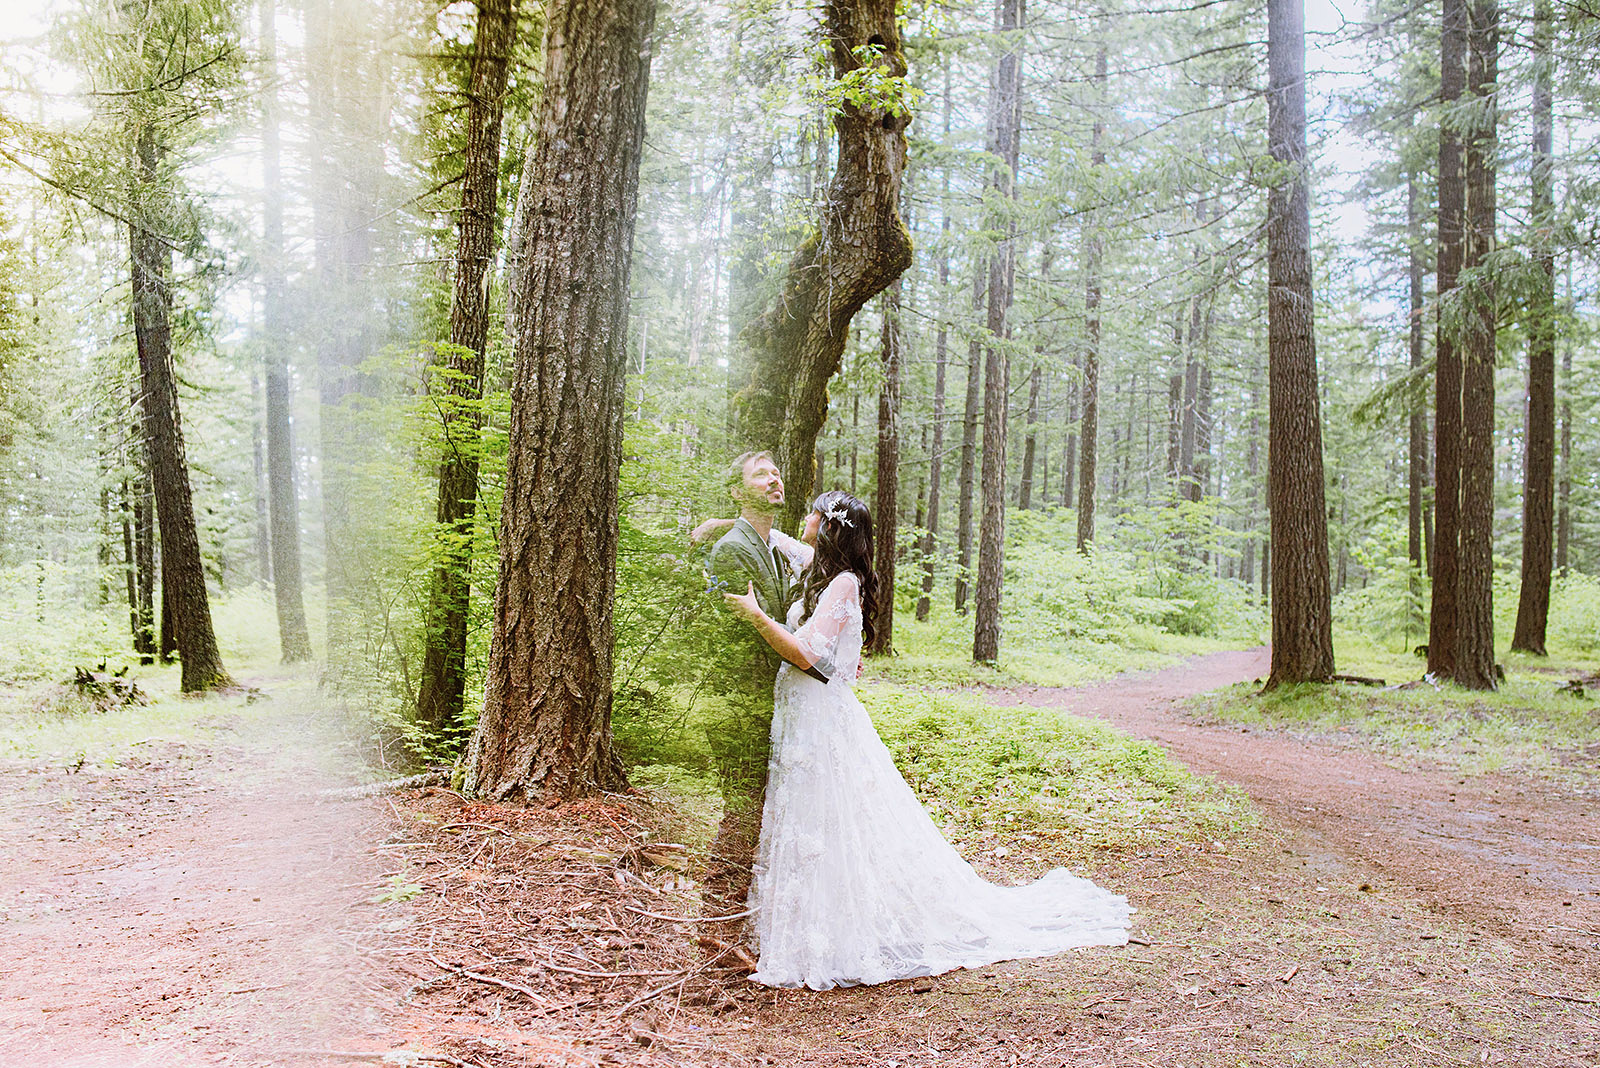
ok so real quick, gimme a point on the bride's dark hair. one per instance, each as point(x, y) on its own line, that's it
point(844, 543)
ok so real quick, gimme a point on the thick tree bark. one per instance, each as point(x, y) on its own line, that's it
point(294, 637)
point(1474, 667)
point(967, 486)
point(885, 505)
point(545, 731)
point(1302, 617)
point(1538, 490)
point(860, 246)
point(1005, 120)
point(184, 601)
point(1444, 555)
point(459, 389)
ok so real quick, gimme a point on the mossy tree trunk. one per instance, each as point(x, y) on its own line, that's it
point(458, 384)
point(859, 247)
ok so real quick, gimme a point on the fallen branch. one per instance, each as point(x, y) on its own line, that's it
point(1359, 680)
point(658, 991)
point(492, 981)
point(691, 919)
point(374, 789)
point(394, 1056)
point(1554, 996)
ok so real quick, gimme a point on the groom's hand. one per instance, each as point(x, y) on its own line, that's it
point(707, 529)
point(744, 605)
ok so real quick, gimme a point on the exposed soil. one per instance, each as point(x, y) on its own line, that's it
point(200, 906)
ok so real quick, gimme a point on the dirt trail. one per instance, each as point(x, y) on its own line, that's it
point(192, 905)
point(1520, 856)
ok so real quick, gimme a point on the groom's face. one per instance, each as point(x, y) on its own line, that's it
point(763, 486)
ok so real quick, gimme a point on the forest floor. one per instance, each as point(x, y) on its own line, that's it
point(199, 903)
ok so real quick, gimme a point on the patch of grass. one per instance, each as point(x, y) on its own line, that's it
point(938, 652)
point(1525, 726)
point(1038, 774)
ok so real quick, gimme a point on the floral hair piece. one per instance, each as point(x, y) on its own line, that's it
point(837, 513)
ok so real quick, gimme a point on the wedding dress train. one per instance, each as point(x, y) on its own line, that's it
point(854, 883)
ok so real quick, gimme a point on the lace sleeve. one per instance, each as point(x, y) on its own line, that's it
point(839, 604)
point(798, 552)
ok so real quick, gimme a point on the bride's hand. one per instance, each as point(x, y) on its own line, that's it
point(744, 605)
point(707, 529)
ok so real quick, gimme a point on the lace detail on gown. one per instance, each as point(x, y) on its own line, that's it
point(854, 883)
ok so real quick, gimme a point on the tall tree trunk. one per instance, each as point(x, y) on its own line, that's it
point(886, 507)
point(294, 637)
point(546, 724)
point(941, 361)
point(258, 457)
point(1538, 494)
point(184, 600)
point(1030, 440)
point(142, 508)
point(1247, 567)
point(969, 453)
point(860, 246)
point(1005, 119)
point(1089, 395)
point(1302, 617)
point(1564, 506)
point(1416, 451)
point(343, 67)
point(459, 389)
point(1474, 667)
point(1444, 553)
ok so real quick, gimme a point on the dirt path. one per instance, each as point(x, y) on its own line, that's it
point(196, 905)
point(193, 904)
point(1520, 856)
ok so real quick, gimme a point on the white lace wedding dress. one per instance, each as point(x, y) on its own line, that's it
point(853, 881)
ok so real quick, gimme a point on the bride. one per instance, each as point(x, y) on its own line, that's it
point(853, 882)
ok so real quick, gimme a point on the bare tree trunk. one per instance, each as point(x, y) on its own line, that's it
point(941, 361)
point(886, 505)
point(1093, 253)
point(1444, 555)
point(546, 724)
point(1474, 667)
point(460, 388)
point(184, 600)
point(969, 455)
point(860, 246)
point(1302, 617)
point(258, 453)
point(1005, 118)
point(294, 637)
point(1564, 507)
point(1030, 441)
point(347, 126)
point(1538, 494)
point(1416, 452)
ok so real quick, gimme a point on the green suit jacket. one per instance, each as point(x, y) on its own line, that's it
point(742, 556)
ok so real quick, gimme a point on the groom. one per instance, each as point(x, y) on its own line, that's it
point(739, 733)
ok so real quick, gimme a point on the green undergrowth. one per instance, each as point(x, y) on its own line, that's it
point(1020, 772)
point(938, 652)
point(1524, 726)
